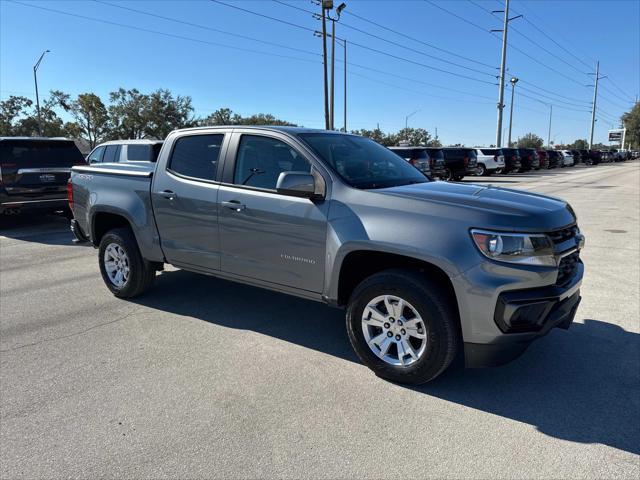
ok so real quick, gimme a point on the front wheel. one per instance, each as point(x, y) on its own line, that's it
point(123, 269)
point(402, 326)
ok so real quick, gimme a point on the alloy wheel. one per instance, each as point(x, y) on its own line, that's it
point(116, 264)
point(394, 330)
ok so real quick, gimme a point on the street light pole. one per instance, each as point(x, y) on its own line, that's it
point(35, 79)
point(406, 122)
point(514, 80)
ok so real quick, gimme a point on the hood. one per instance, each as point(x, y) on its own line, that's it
point(496, 206)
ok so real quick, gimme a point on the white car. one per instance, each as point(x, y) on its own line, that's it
point(490, 160)
point(567, 158)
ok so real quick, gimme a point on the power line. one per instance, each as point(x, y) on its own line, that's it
point(359, 45)
point(264, 16)
point(551, 98)
point(615, 94)
point(553, 93)
point(400, 34)
point(510, 44)
point(521, 5)
point(204, 27)
point(622, 91)
point(418, 40)
point(165, 34)
point(351, 27)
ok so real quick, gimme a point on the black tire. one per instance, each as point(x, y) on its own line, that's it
point(448, 175)
point(457, 178)
point(481, 170)
point(434, 305)
point(141, 272)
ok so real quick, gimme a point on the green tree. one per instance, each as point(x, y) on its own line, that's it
point(127, 114)
point(530, 140)
point(225, 116)
point(11, 109)
point(52, 124)
point(631, 121)
point(580, 144)
point(164, 113)
point(376, 134)
point(91, 118)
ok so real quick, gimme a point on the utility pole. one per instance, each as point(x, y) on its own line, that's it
point(514, 80)
point(503, 64)
point(549, 134)
point(341, 7)
point(324, 63)
point(595, 98)
point(344, 42)
point(35, 79)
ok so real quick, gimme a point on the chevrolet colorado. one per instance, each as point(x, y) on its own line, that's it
point(425, 269)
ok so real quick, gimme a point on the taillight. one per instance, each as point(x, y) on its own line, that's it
point(495, 158)
point(431, 162)
point(70, 193)
point(466, 161)
point(413, 162)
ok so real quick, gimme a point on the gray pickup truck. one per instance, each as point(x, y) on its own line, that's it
point(425, 269)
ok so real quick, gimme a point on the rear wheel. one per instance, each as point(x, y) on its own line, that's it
point(123, 269)
point(448, 175)
point(403, 326)
point(481, 170)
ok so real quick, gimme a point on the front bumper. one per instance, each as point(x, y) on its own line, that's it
point(524, 316)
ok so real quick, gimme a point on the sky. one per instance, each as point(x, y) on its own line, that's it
point(435, 61)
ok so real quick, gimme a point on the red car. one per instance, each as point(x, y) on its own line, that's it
point(544, 158)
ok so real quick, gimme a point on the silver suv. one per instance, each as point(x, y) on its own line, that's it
point(124, 151)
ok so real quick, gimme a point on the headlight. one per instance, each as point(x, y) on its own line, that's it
point(522, 248)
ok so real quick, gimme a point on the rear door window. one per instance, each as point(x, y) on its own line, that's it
point(139, 153)
point(111, 154)
point(197, 156)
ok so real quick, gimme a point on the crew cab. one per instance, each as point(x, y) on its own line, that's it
point(34, 172)
point(424, 269)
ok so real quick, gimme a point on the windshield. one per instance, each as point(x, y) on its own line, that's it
point(361, 162)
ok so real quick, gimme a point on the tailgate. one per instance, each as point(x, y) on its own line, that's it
point(35, 167)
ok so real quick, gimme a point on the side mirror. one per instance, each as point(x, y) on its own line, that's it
point(297, 184)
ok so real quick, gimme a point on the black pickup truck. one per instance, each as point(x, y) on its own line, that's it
point(459, 162)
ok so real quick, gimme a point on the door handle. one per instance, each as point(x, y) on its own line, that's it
point(168, 194)
point(234, 205)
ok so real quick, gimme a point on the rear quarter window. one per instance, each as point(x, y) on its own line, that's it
point(140, 153)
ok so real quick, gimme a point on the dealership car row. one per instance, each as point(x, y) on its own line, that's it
point(34, 171)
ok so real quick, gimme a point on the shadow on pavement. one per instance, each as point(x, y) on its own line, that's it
point(48, 229)
point(578, 385)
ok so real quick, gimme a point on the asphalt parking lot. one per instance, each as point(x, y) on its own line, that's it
point(207, 378)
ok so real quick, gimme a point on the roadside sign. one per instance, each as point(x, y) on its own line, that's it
point(616, 135)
